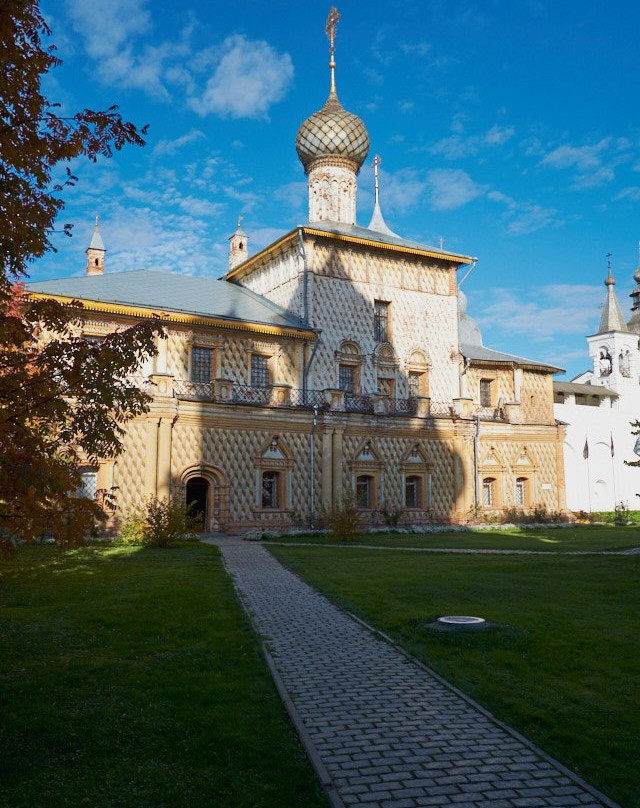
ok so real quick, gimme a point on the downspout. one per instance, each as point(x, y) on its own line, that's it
point(312, 469)
point(476, 451)
point(305, 282)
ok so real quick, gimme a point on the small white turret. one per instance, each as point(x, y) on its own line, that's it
point(95, 253)
point(238, 247)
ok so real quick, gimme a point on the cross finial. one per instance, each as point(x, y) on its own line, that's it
point(441, 240)
point(240, 218)
point(609, 281)
point(97, 217)
point(330, 31)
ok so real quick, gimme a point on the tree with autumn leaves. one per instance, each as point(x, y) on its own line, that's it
point(62, 399)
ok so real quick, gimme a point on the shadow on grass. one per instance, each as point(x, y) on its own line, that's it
point(131, 677)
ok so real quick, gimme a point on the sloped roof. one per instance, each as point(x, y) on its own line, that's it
point(575, 388)
point(173, 292)
point(482, 354)
point(611, 318)
point(383, 237)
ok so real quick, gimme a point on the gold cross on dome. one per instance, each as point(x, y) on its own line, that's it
point(332, 22)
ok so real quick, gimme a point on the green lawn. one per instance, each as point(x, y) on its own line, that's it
point(561, 662)
point(131, 677)
point(567, 539)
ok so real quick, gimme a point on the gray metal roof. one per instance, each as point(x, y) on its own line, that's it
point(611, 318)
point(173, 292)
point(574, 388)
point(376, 235)
point(482, 354)
point(96, 240)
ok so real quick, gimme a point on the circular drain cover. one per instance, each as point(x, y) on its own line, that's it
point(461, 620)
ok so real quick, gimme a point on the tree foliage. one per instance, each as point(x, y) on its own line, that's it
point(34, 138)
point(63, 399)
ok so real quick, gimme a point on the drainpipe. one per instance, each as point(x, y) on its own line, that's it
point(476, 451)
point(305, 281)
point(312, 468)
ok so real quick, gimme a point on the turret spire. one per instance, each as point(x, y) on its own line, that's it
point(238, 246)
point(611, 318)
point(377, 222)
point(95, 253)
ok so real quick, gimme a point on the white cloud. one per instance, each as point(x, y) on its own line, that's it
point(632, 193)
point(293, 194)
point(557, 309)
point(451, 189)
point(531, 218)
point(110, 33)
point(581, 157)
point(164, 147)
point(400, 190)
point(458, 146)
point(498, 135)
point(249, 78)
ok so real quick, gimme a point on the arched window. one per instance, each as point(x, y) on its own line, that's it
point(270, 489)
point(488, 491)
point(520, 493)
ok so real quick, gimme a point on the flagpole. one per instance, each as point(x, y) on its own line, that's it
point(613, 471)
point(585, 454)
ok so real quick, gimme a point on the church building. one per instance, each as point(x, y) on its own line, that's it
point(338, 362)
point(599, 407)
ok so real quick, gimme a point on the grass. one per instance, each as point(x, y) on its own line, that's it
point(560, 662)
point(131, 677)
point(567, 539)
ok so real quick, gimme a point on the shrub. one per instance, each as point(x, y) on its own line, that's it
point(159, 523)
point(391, 516)
point(344, 520)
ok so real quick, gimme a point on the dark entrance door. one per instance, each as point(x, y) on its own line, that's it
point(198, 493)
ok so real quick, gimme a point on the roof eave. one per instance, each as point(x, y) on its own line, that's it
point(179, 317)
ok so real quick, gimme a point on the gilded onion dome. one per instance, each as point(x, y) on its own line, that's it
point(332, 132)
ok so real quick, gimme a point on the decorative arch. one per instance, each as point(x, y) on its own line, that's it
point(217, 512)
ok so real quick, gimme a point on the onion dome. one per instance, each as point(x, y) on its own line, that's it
point(332, 132)
point(468, 330)
point(634, 322)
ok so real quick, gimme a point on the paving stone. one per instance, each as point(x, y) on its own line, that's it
point(388, 733)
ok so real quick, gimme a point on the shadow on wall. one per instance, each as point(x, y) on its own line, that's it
point(279, 466)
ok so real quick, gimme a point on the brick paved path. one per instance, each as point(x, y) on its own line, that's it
point(389, 734)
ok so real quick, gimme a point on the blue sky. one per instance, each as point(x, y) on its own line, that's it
point(510, 129)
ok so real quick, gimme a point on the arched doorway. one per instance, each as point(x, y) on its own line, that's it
point(197, 495)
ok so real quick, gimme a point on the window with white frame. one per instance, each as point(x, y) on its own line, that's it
point(488, 494)
point(521, 491)
point(89, 483)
